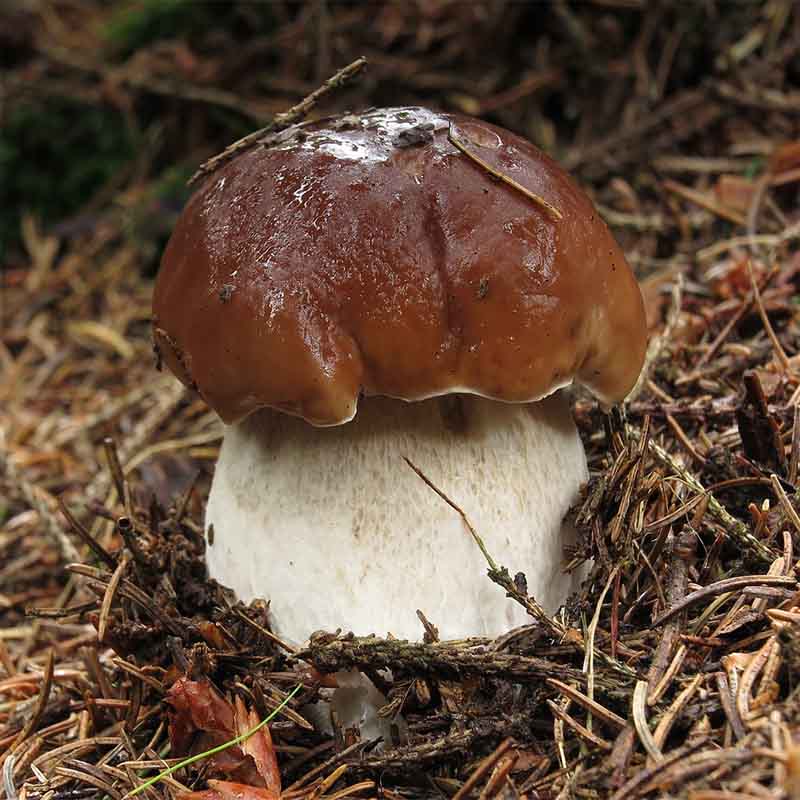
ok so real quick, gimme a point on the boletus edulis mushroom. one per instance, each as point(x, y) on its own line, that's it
point(398, 284)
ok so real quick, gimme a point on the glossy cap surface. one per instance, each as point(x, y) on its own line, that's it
point(369, 255)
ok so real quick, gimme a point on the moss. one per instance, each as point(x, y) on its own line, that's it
point(138, 24)
point(755, 167)
point(54, 157)
point(149, 223)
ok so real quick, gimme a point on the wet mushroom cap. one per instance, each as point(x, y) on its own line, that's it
point(369, 254)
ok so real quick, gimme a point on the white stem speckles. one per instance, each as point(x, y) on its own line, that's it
point(334, 529)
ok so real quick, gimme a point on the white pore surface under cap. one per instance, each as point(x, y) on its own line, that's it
point(334, 528)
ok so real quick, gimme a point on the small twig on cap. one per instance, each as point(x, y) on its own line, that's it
point(281, 121)
point(540, 201)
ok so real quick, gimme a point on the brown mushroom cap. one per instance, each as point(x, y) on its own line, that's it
point(368, 254)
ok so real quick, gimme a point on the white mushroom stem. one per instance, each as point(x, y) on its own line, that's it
point(334, 528)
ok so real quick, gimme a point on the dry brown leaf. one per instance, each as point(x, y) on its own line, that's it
point(197, 706)
point(735, 192)
point(258, 746)
point(784, 158)
point(201, 719)
point(226, 790)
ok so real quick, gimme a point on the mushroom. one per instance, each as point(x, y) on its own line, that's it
point(399, 284)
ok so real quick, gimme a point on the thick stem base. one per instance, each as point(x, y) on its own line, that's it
point(334, 528)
